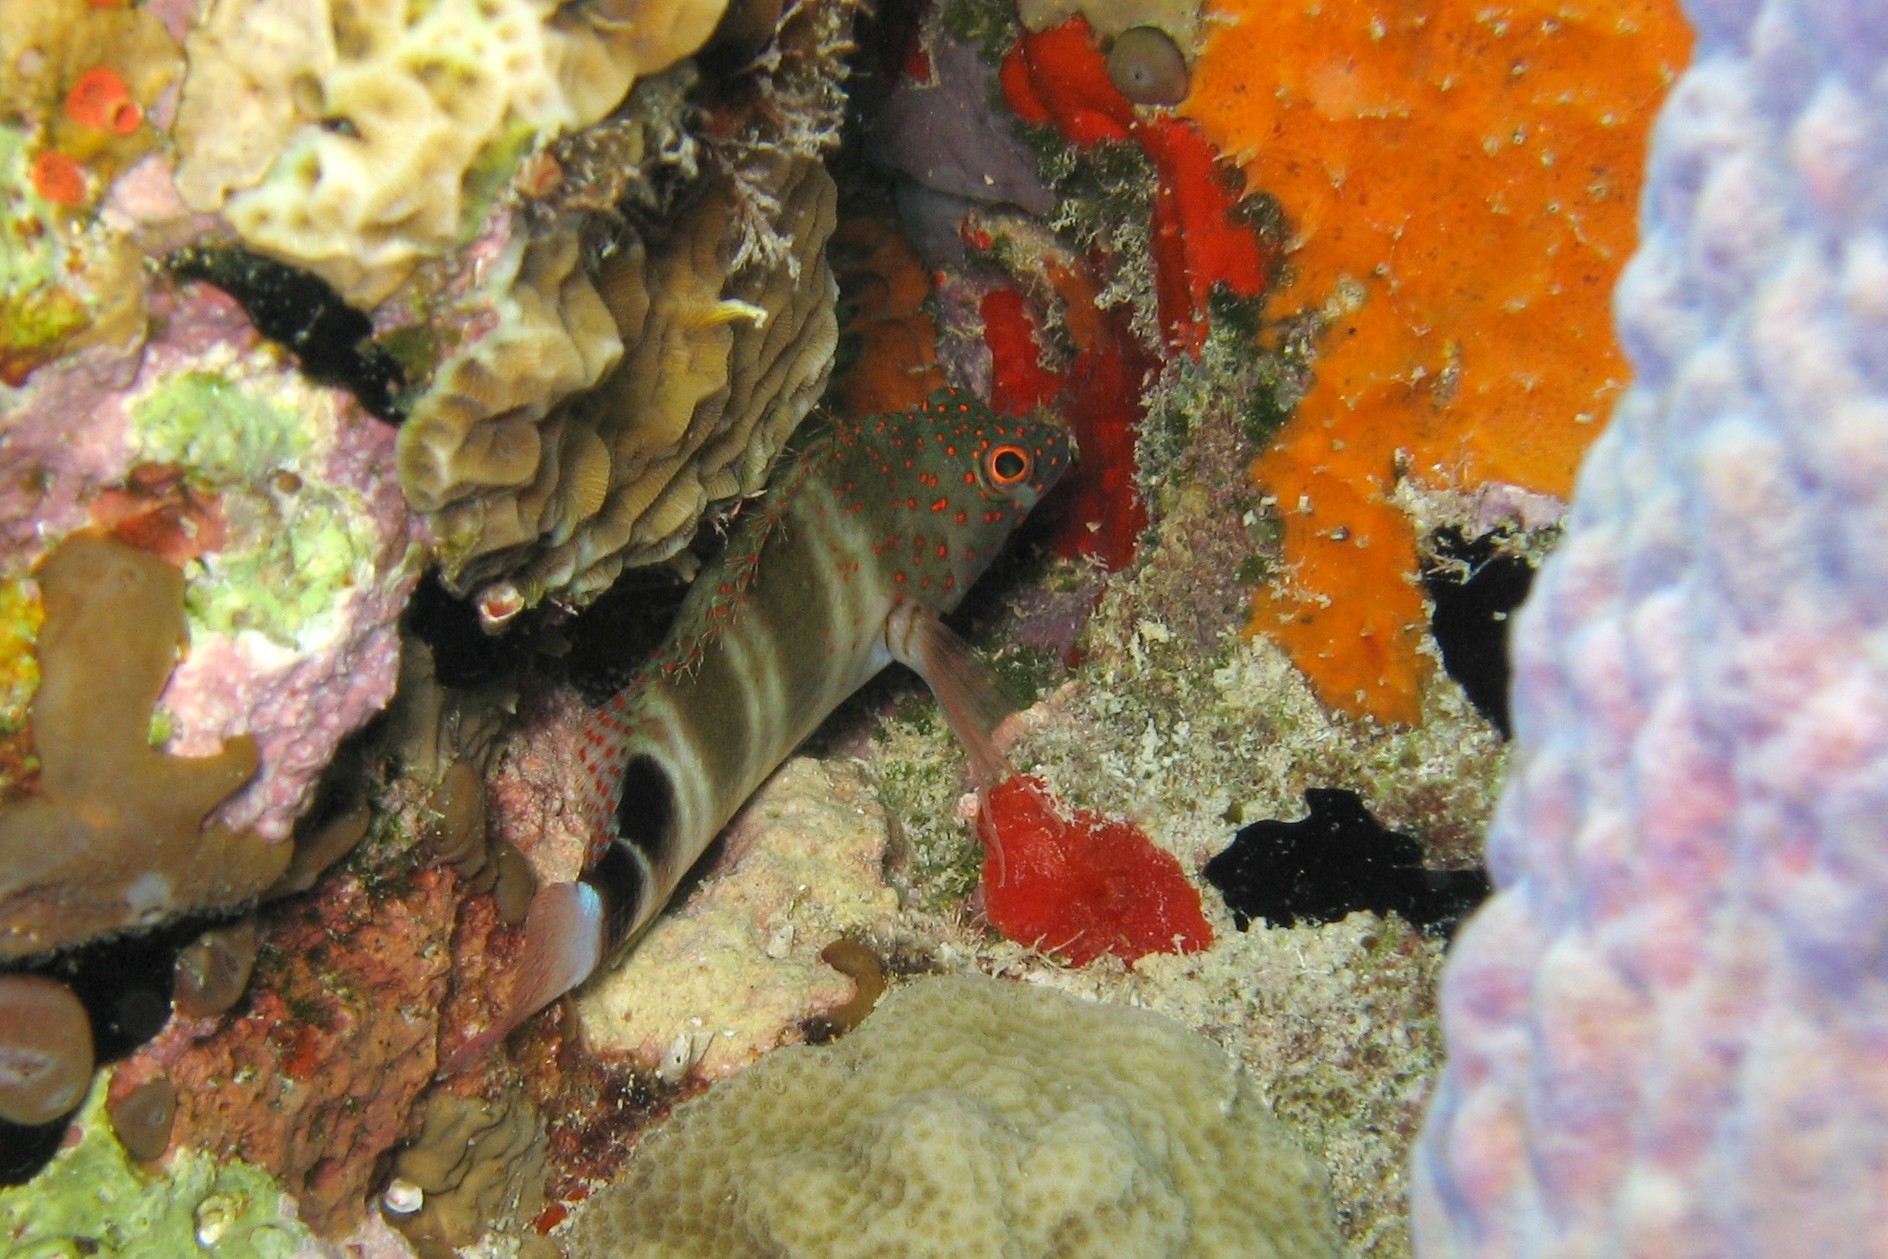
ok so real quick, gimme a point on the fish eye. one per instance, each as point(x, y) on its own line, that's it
point(1007, 466)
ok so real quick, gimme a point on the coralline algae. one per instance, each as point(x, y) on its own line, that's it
point(1664, 1033)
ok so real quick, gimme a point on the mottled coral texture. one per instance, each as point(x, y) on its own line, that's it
point(1665, 1034)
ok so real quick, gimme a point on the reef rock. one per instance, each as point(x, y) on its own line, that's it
point(730, 973)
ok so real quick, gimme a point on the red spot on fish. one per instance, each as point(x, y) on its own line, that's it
point(1080, 886)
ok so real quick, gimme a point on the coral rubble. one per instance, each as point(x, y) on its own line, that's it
point(1665, 1028)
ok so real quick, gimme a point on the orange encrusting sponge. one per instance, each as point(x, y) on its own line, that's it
point(1464, 177)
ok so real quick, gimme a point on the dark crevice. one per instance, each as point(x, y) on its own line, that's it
point(1475, 588)
point(1331, 864)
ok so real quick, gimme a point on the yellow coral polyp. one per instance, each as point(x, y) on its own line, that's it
point(1468, 175)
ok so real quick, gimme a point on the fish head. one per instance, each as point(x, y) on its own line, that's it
point(950, 481)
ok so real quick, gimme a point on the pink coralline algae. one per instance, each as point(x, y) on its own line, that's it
point(293, 638)
point(1666, 1032)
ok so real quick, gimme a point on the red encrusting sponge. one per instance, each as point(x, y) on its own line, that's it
point(1084, 885)
point(1059, 78)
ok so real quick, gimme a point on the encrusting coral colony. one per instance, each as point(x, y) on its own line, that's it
point(445, 443)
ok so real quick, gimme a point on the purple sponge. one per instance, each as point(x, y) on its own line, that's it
point(1667, 1034)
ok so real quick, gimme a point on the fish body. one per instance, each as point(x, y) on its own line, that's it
point(870, 534)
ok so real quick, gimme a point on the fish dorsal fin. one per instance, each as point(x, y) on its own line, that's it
point(973, 703)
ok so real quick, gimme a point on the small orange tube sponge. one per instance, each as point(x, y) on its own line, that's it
point(112, 835)
point(1464, 179)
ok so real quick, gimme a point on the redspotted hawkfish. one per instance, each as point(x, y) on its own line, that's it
point(844, 567)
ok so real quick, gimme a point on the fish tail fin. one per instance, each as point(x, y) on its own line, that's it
point(563, 944)
point(972, 702)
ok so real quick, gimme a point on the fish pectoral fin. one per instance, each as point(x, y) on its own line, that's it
point(563, 944)
point(973, 702)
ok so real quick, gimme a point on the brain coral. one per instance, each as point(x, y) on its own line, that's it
point(719, 367)
point(1461, 181)
point(1665, 1032)
point(970, 1116)
point(357, 139)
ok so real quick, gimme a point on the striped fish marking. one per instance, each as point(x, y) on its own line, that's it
point(845, 566)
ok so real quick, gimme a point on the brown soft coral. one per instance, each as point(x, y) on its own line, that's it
point(112, 836)
point(477, 1164)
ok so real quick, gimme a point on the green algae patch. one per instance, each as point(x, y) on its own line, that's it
point(93, 1201)
point(37, 312)
point(217, 430)
point(296, 544)
point(293, 573)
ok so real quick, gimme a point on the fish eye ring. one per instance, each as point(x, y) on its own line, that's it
point(1007, 466)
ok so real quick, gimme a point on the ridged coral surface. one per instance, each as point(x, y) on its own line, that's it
point(1460, 181)
point(1665, 1032)
point(971, 1116)
point(356, 139)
